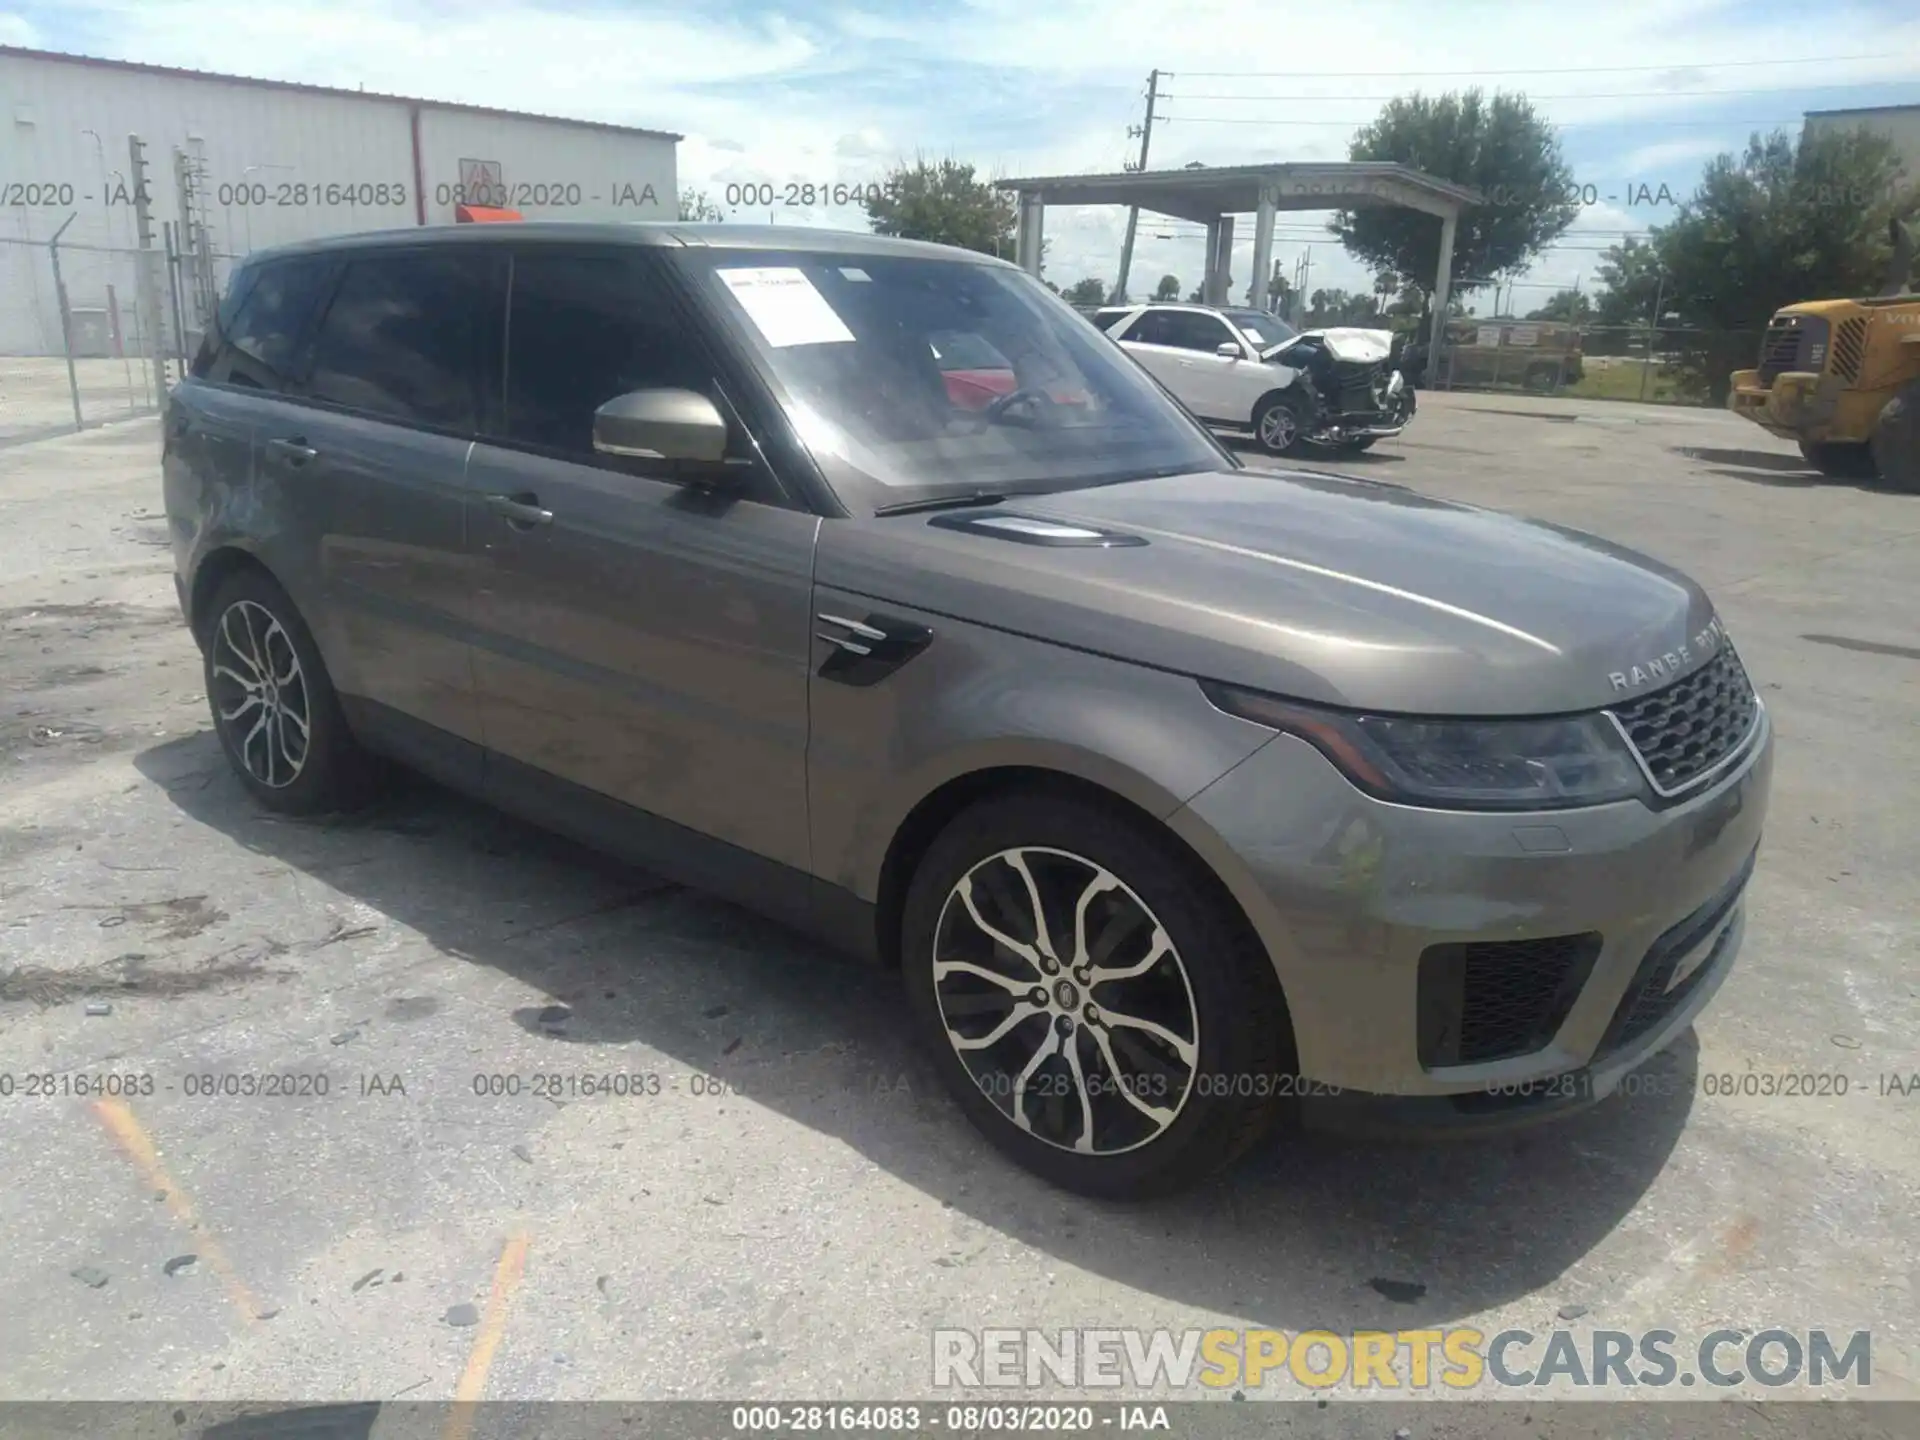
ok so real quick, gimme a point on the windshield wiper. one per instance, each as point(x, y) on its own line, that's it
point(942, 502)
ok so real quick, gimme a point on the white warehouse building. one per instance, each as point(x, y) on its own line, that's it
point(234, 165)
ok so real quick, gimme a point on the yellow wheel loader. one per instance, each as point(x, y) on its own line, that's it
point(1842, 377)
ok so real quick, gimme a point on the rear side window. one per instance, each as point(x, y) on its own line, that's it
point(582, 329)
point(404, 336)
point(1181, 329)
point(264, 320)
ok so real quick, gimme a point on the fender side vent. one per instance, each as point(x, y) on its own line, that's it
point(866, 651)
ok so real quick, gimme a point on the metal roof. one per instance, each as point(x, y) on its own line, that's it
point(1866, 110)
point(1201, 192)
point(140, 68)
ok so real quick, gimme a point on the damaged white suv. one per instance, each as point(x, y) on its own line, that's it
point(1326, 390)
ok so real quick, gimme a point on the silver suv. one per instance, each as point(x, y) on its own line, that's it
point(865, 583)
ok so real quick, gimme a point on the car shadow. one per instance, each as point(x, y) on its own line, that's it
point(1765, 467)
point(1306, 1232)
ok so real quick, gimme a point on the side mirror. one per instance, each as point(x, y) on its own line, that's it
point(1227, 350)
point(661, 425)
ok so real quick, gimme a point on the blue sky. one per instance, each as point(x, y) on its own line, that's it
point(1646, 90)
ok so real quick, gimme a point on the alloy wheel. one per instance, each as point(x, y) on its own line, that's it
point(1066, 1000)
point(1277, 428)
point(259, 693)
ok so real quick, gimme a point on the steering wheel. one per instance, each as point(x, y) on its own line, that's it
point(1026, 394)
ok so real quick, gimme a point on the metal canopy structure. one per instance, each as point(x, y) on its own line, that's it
point(1212, 196)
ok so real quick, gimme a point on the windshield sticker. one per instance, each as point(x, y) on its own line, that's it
point(850, 272)
point(786, 307)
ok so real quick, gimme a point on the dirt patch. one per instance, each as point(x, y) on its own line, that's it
point(180, 918)
point(130, 976)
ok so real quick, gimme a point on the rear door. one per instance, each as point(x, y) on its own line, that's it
point(213, 424)
point(646, 642)
point(391, 388)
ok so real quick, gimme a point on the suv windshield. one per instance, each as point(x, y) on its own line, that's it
point(867, 348)
point(1264, 330)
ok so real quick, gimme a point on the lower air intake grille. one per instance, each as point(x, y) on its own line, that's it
point(1651, 996)
point(1492, 1000)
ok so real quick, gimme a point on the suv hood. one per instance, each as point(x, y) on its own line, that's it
point(1321, 588)
point(1357, 346)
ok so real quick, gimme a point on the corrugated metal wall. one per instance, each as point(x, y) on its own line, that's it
point(276, 165)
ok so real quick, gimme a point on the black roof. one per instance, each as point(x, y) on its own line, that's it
point(661, 234)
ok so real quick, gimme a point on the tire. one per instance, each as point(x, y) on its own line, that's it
point(1896, 441)
point(1842, 460)
point(253, 631)
point(1279, 422)
point(1211, 1101)
point(1355, 447)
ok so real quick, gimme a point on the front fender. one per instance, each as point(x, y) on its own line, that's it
point(980, 699)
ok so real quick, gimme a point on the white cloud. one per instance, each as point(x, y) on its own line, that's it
point(1017, 87)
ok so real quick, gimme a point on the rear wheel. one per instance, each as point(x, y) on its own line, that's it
point(273, 704)
point(1896, 441)
point(1843, 460)
point(1091, 1001)
point(1280, 422)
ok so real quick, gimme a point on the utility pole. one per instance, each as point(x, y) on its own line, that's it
point(1145, 131)
point(148, 287)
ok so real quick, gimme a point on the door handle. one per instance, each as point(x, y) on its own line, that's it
point(522, 512)
point(295, 450)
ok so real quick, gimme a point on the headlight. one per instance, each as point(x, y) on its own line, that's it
point(1545, 764)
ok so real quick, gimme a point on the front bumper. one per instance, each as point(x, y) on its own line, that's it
point(1798, 405)
point(1353, 895)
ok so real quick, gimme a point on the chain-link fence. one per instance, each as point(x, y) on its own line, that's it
point(1658, 365)
point(96, 332)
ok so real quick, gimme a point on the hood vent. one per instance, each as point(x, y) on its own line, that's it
point(1037, 530)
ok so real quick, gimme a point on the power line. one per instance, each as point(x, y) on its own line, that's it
point(1557, 124)
point(1587, 95)
point(1565, 70)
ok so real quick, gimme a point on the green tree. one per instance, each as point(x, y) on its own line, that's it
point(1569, 306)
point(946, 202)
point(695, 206)
point(1340, 307)
point(1086, 292)
point(1630, 284)
point(1501, 147)
point(1168, 288)
point(1788, 220)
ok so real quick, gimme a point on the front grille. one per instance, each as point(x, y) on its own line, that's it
point(1687, 728)
point(1850, 348)
point(1354, 392)
point(1792, 342)
point(1649, 1000)
point(1493, 1000)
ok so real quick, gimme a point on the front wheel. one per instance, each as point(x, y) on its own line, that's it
point(1355, 447)
point(1896, 441)
point(1280, 422)
point(1842, 460)
point(1090, 999)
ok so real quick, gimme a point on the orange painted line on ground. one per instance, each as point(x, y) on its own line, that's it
point(138, 1147)
point(493, 1327)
